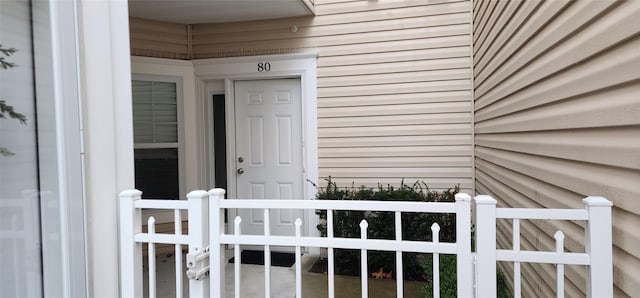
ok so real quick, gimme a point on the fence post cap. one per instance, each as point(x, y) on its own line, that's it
point(435, 227)
point(197, 194)
point(217, 191)
point(559, 235)
point(485, 200)
point(132, 193)
point(464, 197)
point(597, 201)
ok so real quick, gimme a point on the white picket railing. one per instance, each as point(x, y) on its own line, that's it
point(132, 238)
point(597, 256)
point(19, 234)
point(462, 248)
point(207, 240)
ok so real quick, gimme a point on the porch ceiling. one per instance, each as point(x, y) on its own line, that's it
point(218, 11)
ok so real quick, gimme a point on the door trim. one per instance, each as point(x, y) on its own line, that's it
point(300, 65)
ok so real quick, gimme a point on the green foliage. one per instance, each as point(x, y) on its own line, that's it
point(7, 52)
point(5, 109)
point(503, 289)
point(449, 279)
point(415, 226)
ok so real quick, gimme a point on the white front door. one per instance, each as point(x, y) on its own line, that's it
point(268, 154)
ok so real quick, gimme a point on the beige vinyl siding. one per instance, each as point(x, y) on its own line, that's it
point(394, 85)
point(159, 39)
point(557, 118)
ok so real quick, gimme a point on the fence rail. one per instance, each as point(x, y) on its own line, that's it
point(132, 238)
point(207, 240)
point(597, 255)
point(462, 248)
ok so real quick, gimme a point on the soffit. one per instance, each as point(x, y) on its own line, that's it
point(218, 11)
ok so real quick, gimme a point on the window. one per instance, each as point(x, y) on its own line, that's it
point(42, 242)
point(19, 189)
point(156, 124)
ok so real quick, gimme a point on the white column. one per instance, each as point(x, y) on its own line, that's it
point(130, 251)
point(486, 246)
point(463, 242)
point(107, 131)
point(217, 258)
point(598, 246)
point(198, 236)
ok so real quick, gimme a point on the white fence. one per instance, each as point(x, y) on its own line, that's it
point(19, 235)
point(598, 245)
point(207, 240)
point(132, 238)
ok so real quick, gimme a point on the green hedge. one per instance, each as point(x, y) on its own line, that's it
point(449, 279)
point(415, 226)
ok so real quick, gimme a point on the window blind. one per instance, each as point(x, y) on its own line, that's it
point(155, 113)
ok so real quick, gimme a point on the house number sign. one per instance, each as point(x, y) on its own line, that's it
point(264, 67)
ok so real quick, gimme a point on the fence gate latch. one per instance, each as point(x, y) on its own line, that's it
point(198, 263)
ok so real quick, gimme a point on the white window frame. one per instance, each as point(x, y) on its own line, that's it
point(60, 142)
point(180, 112)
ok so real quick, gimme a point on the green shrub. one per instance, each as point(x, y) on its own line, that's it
point(503, 289)
point(415, 226)
point(449, 279)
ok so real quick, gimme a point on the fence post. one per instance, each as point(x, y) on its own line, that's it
point(485, 246)
point(217, 257)
point(130, 251)
point(598, 246)
point(198, 215)
point(463, 243)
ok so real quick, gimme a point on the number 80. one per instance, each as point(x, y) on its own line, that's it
point(264, 66)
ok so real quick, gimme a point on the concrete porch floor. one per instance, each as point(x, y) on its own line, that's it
point(314, 285)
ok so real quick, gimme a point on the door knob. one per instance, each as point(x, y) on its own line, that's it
point(240, 171)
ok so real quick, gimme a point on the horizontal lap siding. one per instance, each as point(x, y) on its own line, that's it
point(394, 85)
point(557, 118)
point(158, 39)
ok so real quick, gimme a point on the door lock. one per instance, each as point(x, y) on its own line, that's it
point(240, 171)
point(240, 159)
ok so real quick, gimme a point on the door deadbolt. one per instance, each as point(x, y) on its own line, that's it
point(240, 159)
point(240, 171)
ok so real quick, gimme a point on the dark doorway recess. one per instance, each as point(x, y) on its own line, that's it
point(220, 143)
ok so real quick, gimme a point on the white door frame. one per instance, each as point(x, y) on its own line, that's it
point(300, 65)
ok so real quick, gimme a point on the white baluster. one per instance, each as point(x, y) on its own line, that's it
point(517, 284)
point(559, 267)
point(178, 255)
point(151, 226)
point(267, 256)
point(298, 224)
point(364, 274)
point(236, 255)
point(435, 232)
point(399, 269)
point(330, 257)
